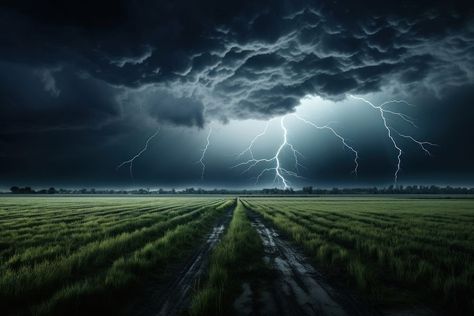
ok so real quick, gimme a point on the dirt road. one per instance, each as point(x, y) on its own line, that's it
point(297, 288)
point(174, 297)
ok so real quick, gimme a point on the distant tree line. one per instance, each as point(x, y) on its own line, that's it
point(409, 189)
point(308, 190)
point(29, 190)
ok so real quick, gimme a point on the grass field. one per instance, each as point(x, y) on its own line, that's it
point(395, 251)
point(59, 253)
point(77, 255)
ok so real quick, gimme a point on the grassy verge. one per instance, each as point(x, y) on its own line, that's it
point(238, 257)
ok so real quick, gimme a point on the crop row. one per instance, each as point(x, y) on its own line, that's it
point(421, 246)
point(102, 261)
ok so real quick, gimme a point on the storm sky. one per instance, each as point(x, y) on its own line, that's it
point(83, 84)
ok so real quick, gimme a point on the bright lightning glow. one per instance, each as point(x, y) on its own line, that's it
point(131, 160)
point(203, 153)
point(274, 163)
point(382, 111)
point(342, 139)
point(280, 172)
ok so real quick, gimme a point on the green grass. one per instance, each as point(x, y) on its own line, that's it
point(74, 255)
point(396, 252)
point(238, 257)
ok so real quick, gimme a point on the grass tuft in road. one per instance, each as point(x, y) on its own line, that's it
point(238, 257)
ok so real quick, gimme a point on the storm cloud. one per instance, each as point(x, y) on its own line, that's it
point(91, 65)
point(241, 59)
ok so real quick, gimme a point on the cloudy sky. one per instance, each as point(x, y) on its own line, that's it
point(85, 84)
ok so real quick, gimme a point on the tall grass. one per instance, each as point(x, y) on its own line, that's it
point(394, 251)
point(73, 259)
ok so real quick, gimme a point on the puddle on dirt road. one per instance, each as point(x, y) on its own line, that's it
point(215, 235)
point(297, 289)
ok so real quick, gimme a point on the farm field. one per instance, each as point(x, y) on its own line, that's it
point(68, 254)
point(396, 252)
point(222, 256)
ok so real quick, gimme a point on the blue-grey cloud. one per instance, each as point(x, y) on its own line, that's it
point(246, 59)
point(109, 65)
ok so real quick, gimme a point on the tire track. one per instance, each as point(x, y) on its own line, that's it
point(174, 298)
point(297, 288)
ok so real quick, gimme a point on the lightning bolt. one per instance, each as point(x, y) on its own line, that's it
point(342, 139)
point(281, 173)
point(390, 130)
point(203, 153)
point(132, 160)
point(423, 144)
point(249, 148)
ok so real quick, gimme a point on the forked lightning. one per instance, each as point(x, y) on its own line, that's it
point(132, 160)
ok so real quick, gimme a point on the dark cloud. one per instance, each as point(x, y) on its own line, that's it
point(226, 54)
point(46, 99)
point(164, 106)
point(89, 65)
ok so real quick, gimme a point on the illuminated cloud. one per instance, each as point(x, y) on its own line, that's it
point(247, 60)
point(123, 67)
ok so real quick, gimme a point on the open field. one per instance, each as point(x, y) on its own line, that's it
point(218, 255)
point(397, 252)
point(61, 253)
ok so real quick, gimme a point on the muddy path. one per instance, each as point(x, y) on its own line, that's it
point(173, 297)
point(296, 288)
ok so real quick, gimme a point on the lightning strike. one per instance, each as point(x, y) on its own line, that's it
point(422, 144)
point(390, 130)
point(281, 173)
point(132, 160)
point(249, 148)
point(203, 153)
point(342, 139)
